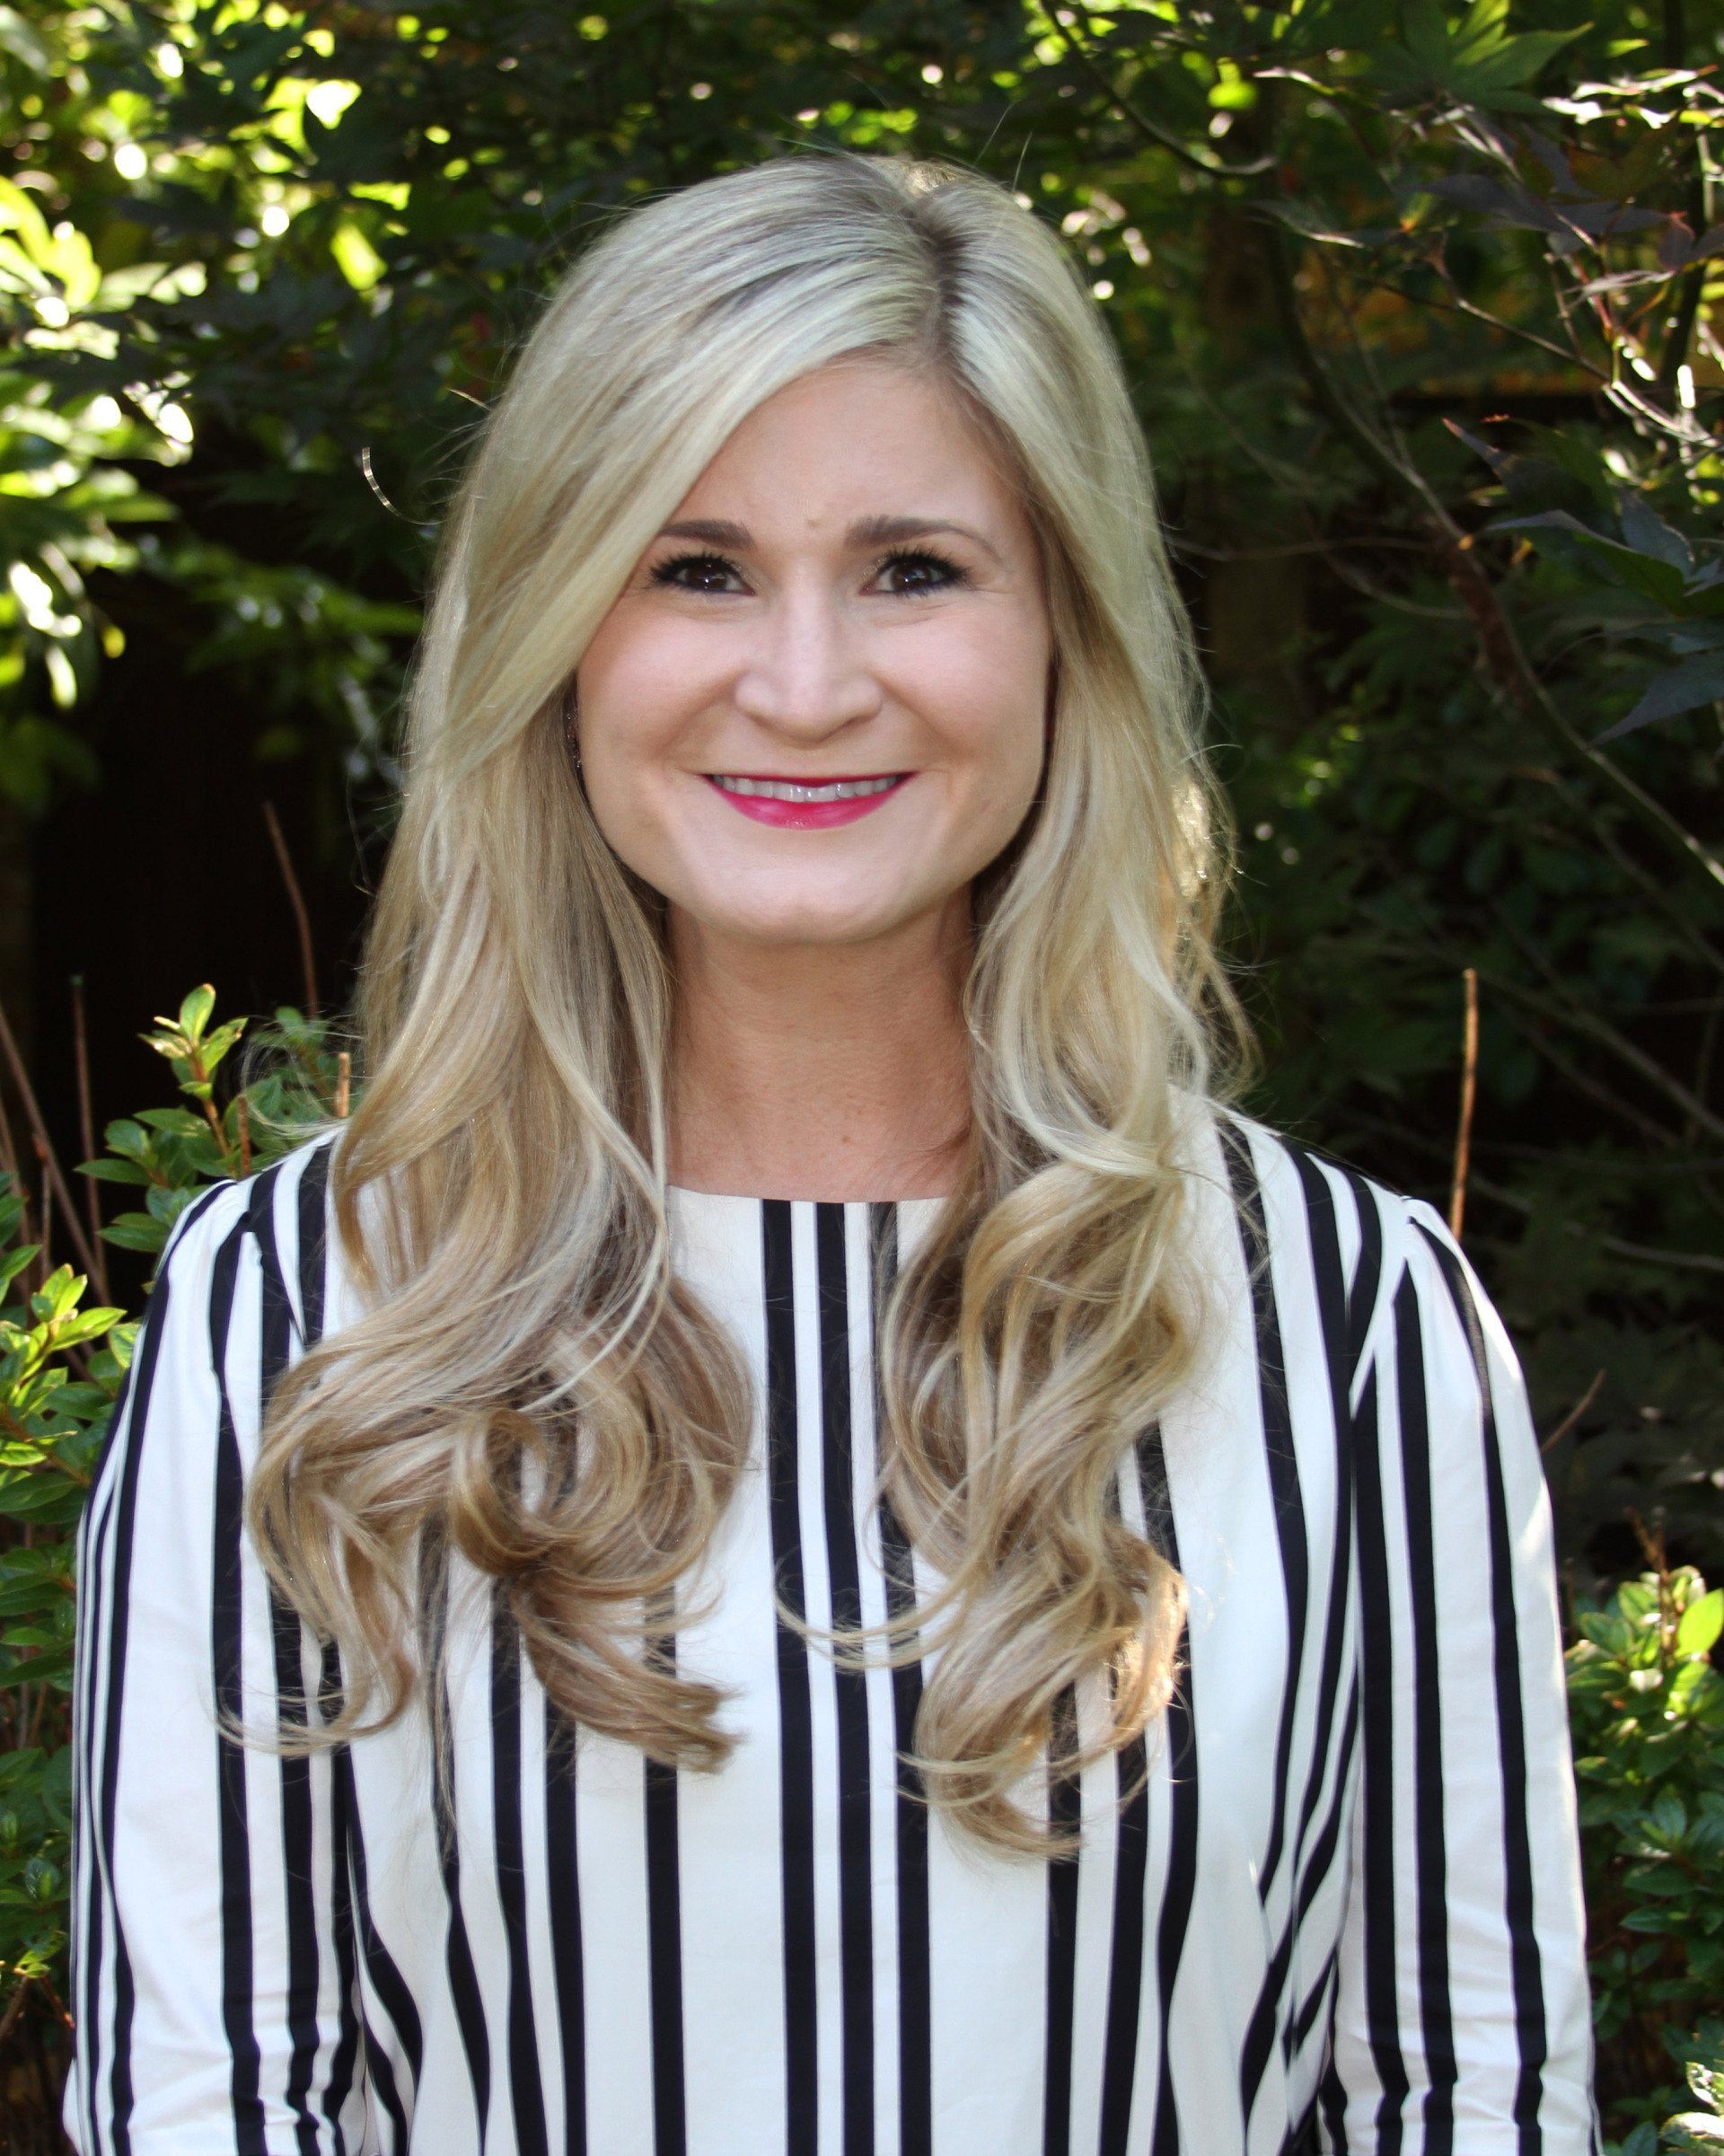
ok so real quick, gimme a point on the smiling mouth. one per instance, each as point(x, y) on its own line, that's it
point(749, 784)
point(806, 804)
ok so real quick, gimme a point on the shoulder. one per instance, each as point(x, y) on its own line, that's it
point(241, 1281)
point(273, 1223)
point(1341, 1241)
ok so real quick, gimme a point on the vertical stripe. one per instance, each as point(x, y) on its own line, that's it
point(344, 2061)
point(304, 1963)
point(134, 1405)
point(854, 1827)
point(1180, 1883)
point(915, 1987)
point(385, 1979)
point(1125, 1964)
point(311, 1258)
point(1322, 1858)
point(108, 1692)
point(563, 1886)
point(796, 1708)
point(234, 1853)
point(1334, 1310)
point(1368, 1274)
point(1376, 1654)
point(526, 2090)
point(1527, 1974)
point(313, 1239)
point(464, 1989)
point(1283, 1470)
point(90, 1847)
point(1065, 1812)
point(664, 1944)
point(1430, 1855)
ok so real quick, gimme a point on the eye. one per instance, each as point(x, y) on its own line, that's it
point(693, 572)
point(922, 572)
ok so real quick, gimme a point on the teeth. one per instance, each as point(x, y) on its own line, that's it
point(778, 790)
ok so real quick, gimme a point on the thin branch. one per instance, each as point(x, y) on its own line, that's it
point(1692, 1261)
point(1650, 889)
point(1699, 216)
point(1212, 168)
point(9, 1161)
point(1514, 674)
point(296, 899)
point(1583, 1081)
point(1367, 443)
point(14, 2007)
point(87, 1135)
point(1562, 1012)
point(1575, 1412)
point(1617, 1244)
point(1469, 1095)
point(1377, 542)
point(49, 1159)
point(1506, 661)
point(1570, 355)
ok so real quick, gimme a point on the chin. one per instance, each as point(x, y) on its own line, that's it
point(805, 925)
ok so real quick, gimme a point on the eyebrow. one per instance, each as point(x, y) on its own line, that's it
point(865, 531)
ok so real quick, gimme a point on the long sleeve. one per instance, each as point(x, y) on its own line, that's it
point(212, 1973)
point(1462, 2014)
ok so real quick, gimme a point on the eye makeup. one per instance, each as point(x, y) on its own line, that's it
point(951, 575)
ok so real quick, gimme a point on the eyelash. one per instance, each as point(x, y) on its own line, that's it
point(953, 573)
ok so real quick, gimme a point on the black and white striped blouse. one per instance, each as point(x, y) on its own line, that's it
point(1344, 1913)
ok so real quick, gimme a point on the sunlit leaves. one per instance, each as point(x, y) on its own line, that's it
point(1473, 57)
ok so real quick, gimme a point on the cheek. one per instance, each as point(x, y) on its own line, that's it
point(985, 694)
point(636, 678)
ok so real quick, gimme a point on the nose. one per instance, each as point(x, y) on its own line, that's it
point(805, 674)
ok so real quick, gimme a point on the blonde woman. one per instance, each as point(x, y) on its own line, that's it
point(793, 1540)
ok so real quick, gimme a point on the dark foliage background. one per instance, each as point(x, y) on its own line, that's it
point(1421, 304)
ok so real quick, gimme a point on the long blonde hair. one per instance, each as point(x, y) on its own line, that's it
point(529, 1382)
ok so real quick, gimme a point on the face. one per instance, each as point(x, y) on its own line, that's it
point(850, 592)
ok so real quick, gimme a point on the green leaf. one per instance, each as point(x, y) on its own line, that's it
point(57, 1294)
point(1702, 1622)
point(114, 1170)
point(1684, 687)
point(176, 1123)
point(194, 1012)
point(1517, 60)
point(129, 1139)
point(135, 1231)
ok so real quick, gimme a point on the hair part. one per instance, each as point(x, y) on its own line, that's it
point(528, 1383)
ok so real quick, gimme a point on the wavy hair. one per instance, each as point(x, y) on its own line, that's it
point(528, 1382)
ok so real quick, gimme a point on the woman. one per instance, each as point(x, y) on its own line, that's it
point(789, 1200)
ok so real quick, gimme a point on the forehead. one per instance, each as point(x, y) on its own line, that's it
point(868, 433)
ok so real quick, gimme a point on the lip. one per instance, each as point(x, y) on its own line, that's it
point(807, 816)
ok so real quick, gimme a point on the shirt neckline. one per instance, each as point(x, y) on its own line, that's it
point(682, 1191)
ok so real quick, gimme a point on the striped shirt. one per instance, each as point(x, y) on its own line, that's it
point(1342, 1912)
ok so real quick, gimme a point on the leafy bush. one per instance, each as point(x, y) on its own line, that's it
point(61, 1364)
point(1694, 2133)
point(60, 1367)
point(1647, 1712)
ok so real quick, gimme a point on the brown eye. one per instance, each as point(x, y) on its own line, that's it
point(693, 572)
point(922, 572)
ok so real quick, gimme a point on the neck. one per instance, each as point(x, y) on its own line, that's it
point(821, 1070)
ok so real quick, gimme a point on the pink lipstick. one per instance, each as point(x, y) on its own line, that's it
point(806, 813)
